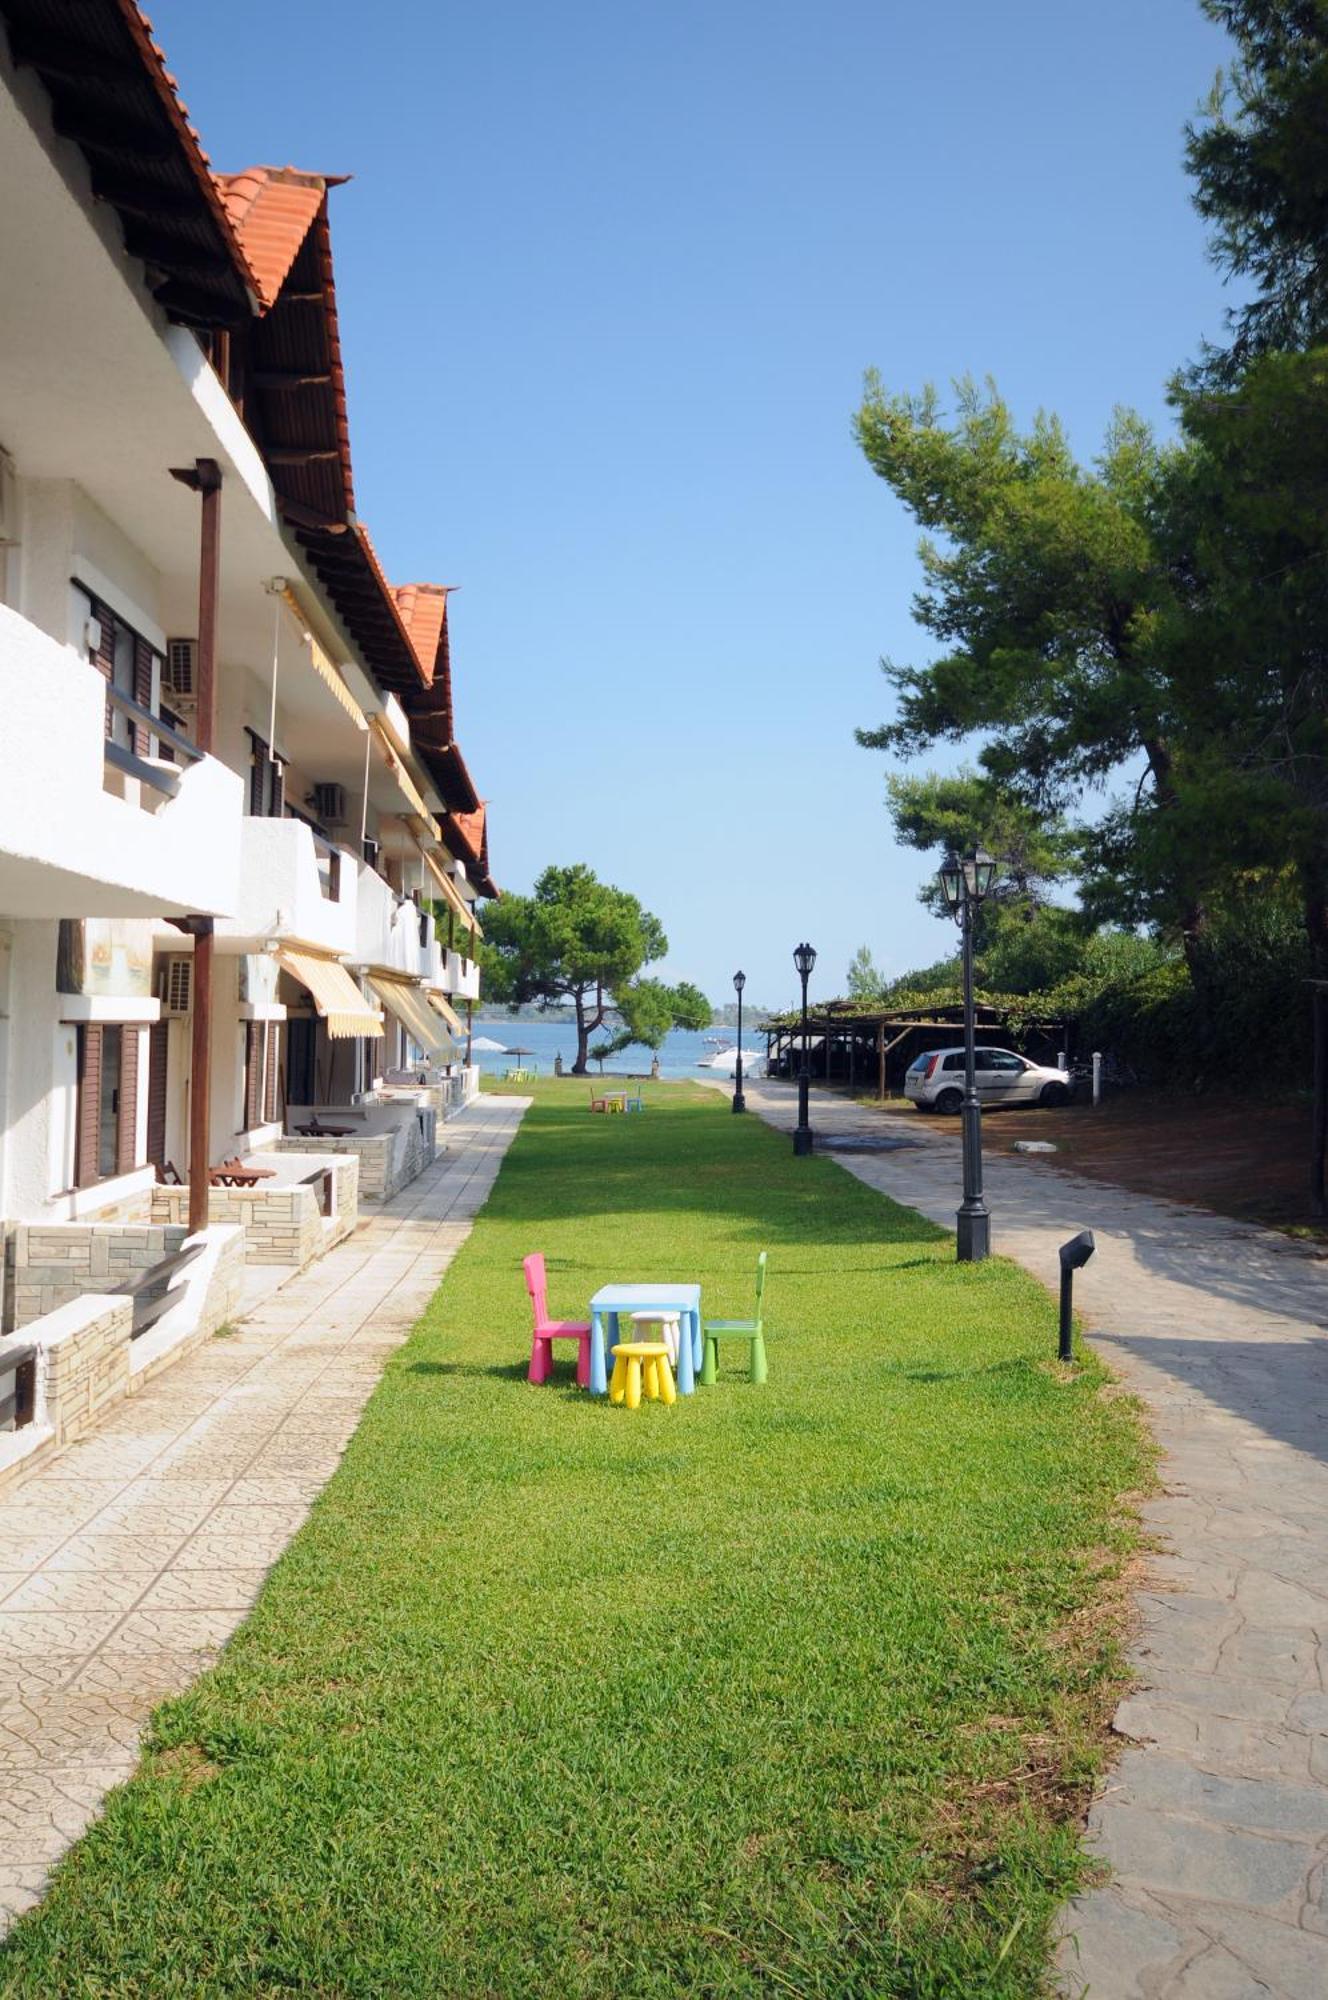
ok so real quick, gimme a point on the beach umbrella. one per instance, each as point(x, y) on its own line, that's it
point(489, 1048)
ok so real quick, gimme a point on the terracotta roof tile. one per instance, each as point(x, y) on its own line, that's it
point(272, 210)
point(423, 608)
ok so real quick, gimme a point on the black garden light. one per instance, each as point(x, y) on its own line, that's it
point(804, 957)
point(1073, 1255)
point(739, 1101)
point(964, 885)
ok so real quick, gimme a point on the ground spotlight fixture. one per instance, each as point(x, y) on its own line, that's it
point(1073, 1255)
point(804, 958)
point(739, 1101)
point(964, 884)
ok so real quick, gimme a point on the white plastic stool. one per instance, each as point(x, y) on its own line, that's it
point(669, 1325)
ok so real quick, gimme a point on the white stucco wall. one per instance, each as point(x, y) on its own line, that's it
point(68, 848)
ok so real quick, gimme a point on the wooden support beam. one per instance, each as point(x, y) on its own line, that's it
point(113, 135)
point(200, 1077)
point(289, 378)
point(172, 253)
point(307, 517)
point(70, 61)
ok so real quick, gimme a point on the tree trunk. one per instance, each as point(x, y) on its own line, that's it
point(1193, 917)
point(586, 1025)
point(1316, 923)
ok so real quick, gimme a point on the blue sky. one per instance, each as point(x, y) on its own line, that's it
point(609, 276)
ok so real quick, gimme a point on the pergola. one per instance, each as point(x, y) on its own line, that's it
point(856, 1043)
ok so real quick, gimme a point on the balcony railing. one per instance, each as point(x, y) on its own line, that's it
point(127, 761)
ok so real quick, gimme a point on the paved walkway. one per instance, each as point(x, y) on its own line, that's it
point(126, 1566)
point(1215, 1819)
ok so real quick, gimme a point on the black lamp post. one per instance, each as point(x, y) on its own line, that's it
point(739, 1101)
point(965, 884)
point(804, 957)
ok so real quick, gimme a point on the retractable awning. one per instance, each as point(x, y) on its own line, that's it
point(449, 1014)
point(327, 670)
point(452, 896)
point(407, 1002)
point(335, 995)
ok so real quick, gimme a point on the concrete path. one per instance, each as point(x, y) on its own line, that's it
point(126, 1566)
point(1215, 1819)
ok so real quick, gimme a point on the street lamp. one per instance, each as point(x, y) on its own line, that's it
point(804, 957)
point(739, 1101)
point(964, 884)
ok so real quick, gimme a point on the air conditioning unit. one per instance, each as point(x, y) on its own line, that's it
point(8, 501)
point(329, 804)
point(177, 986)
point(178, 683)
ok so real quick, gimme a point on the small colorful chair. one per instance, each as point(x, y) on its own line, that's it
point(659, 1324)
point(548, 1330)
point(750, 1330)
point(638, 1364)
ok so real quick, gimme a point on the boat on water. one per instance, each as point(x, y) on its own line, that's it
point(726, 1060)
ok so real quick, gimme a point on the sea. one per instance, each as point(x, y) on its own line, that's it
point(681, 1054)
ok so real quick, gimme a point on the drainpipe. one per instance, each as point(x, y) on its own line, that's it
point(203, 478)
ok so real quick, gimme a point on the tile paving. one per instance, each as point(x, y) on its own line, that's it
point(127, 1564)
point(1214, 1820)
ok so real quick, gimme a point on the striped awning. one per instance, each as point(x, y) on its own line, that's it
point(452, 896)
point(407, 1002)
point(449, 1014)
point(325, 668)
point(335, 995)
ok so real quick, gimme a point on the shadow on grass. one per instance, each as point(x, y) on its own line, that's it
point(508, 1371)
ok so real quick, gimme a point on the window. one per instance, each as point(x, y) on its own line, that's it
point(1003, 1060)
point(106, 1135)
point(954, 1062)
point(262, 1073)
point(126, 660)
point(267, 780)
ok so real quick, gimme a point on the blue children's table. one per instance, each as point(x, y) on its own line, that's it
point(610, 1300)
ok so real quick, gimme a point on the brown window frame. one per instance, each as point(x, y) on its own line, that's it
point(90, 1089)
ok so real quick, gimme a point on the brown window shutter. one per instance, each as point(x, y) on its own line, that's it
point(89, 1107)
point(272, 1081)
point(104, 661)
point(126, 1124)
point(158, 1044)
point(253, 1073)
point(142, 692)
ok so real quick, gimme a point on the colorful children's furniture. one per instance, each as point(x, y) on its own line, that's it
point(608, 1100)
point(612, 1303)
point(548, 1330)
point(658, 1324)
point(635, 1102)
point(750, 1330)
point(638, 1364)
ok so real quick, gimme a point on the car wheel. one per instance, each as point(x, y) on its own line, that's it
point(1054, 1093)
point(950, 1101)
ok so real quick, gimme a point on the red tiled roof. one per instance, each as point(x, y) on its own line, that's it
point(112, 94)
point(423, 608)
point(272, 210)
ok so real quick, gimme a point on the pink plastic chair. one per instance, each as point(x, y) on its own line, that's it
point(548, 1330)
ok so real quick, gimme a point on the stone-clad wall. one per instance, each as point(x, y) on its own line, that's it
point(88, 1360)
point(85, 1349)
point(387, 1160)
point(281, 1227)
point(47, 1264)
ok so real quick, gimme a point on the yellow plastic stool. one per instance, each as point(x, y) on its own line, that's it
point(630, 1377)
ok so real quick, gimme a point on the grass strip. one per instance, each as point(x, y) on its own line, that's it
point(784, 1690)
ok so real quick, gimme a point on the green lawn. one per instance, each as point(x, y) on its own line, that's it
point(784, 1690)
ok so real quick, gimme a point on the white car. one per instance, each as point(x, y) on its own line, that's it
point(935, 1081)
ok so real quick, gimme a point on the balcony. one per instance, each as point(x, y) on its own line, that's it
point(461, 976)
point(68, 846)
point(392, 933)
point(294, 886)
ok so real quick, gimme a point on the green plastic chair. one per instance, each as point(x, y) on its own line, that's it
point(750, 1330)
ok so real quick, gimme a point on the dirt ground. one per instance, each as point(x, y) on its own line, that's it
point(1238, 1156)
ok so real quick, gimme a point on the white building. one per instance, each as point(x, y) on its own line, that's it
point(238, 844)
